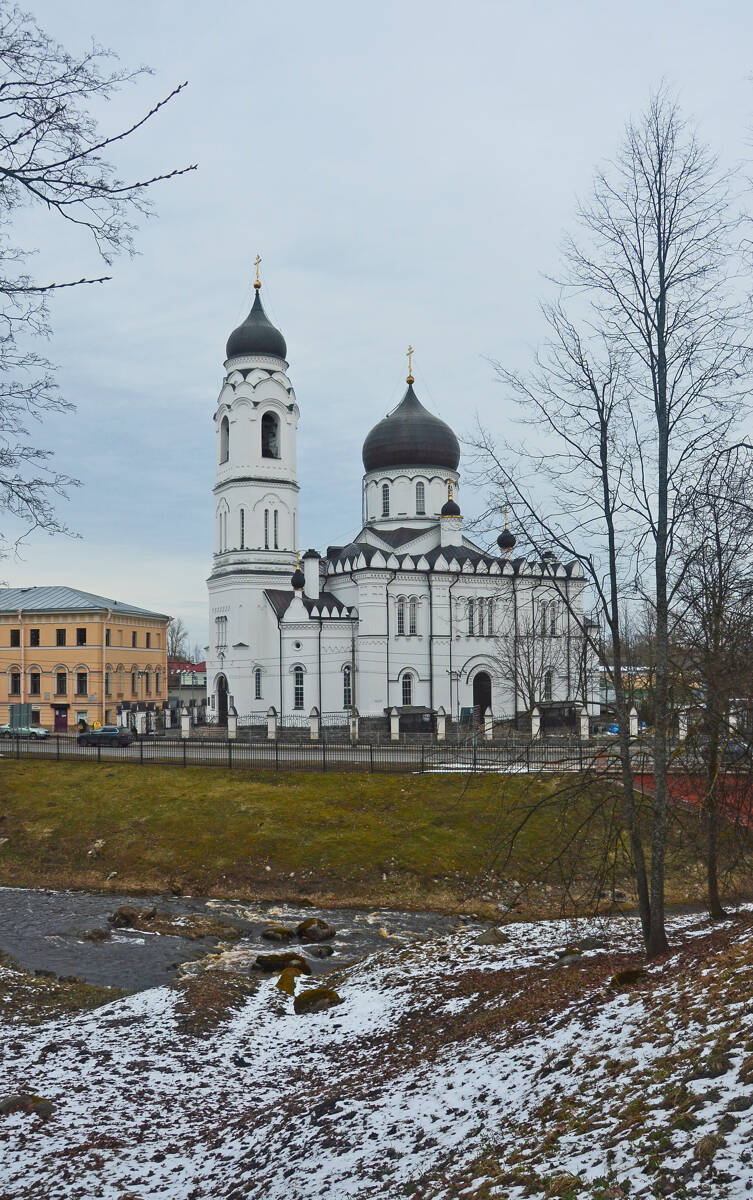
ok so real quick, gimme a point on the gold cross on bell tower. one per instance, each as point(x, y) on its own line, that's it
point(257, 281)
point(410, 365)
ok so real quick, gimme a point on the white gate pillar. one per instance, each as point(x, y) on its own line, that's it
point(353, 723)
point(584, 724)
point(272, 724)
point(488, 725)
point(185, 723)
point(535, 721)
point(232, 724)
point(394, 725)
point(314, 723)
point(441, 724)
point(633, 715)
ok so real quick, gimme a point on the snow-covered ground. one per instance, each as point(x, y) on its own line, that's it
point(450, 1068)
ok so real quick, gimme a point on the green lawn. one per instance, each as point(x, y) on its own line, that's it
point(416, 841)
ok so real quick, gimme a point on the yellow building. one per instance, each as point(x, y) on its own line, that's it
point(75, 656)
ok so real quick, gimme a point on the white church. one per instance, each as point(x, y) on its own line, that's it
point(410, 614)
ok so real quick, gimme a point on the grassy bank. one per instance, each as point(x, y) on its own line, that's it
point(402, 840)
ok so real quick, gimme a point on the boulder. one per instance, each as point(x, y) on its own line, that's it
point(21, 1102)
point(129, 917)
point(96, 935)
point(627, 977)
point(313, 929)
point(286, 982)
point(317, 999)
point(320, 951)
point(278, 933)
point(281, 960)
point(492, 937)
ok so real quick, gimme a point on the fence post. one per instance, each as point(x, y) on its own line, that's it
point(277, 755)
point(184, 754)
point(580, 755)
point(18, 747)
point(57, 747)
point(99, 753)
point(324, 756)
point(141, 749)
point(474, 754)
point(371, 757)
point(528, 757)
point(230, 755)
point(422, 758)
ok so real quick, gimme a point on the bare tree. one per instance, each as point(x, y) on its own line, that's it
point(53, 156)
point(641, 378)
point(177, 638)
point(714, 641)
point(531, 650)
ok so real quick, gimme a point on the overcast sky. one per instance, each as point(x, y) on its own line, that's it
point(406, 170)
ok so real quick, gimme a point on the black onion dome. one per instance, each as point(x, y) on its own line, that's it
point(449, 509)
point(411, 437)
point(506, 540)
point(257, 335)
point(298, 579)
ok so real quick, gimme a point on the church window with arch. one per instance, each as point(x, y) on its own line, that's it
point(347, 687)
point(224, 440)
point(276, 528)
point(270, 435)
point(420, 500)
point(471, 618)
point(257, 684)
point(266, 529)
point(385, 499)
point(547, 685)
point(407, 689)
point(401, 616)
point(412, 615)
point(298, 688)
point(14, 683)
point(243, 529)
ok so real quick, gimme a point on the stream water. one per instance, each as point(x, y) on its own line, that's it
point(43, 930)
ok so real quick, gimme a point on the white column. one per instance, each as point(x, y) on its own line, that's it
point(271, 724)
point(584, 725)
point(353, 723)
point(232, 724)
point(394, 725)
point(633, 715)
point(314, 723)
point(488, 725)
point(441, 724)
point(535, 721)
point(185, 723)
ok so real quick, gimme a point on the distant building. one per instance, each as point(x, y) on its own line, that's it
point(76, 656)
point(187, 687)
point(410, 613)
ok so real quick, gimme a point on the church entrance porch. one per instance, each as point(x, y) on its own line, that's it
point(482, 695)
point(222, 700)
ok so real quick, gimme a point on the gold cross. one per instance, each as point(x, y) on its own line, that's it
point(257, 261)
point(410, 365)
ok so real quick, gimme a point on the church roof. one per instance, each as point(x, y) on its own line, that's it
point(326, 605)
point(359, 556)
point(257, 335)
point(411, 436)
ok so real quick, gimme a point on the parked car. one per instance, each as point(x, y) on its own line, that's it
point(106, 735)
point(23, 731)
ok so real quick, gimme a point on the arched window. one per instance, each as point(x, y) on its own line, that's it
point(276, 527)
point(480, 614)
point(270, 436)
point(401, 616)
point(14, 683)
point(471, 615)
point(243, 529)
point(412, 610)
point(108, 678)
point(420, 499)
point(224, 440)
point(257, 684)
point(553, 619)
point(385, 499)
point(298, 687)
point(407, 689)
point(547, 685)
point(490, 617)
point(266, 529)
point(347, 688)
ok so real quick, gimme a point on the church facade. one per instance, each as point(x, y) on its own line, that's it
point(411, 614)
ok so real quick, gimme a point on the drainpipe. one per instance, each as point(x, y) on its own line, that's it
point(449, 601)
point(279, 626)
point(320, 670)
point(353, 693)
point(23, 666)
point(431, 645)
point(387, 615)
point(104, 697)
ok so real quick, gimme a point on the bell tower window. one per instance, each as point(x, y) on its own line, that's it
point(420, 500)
point(270, 436)
point(385, 499)
point(224, 440)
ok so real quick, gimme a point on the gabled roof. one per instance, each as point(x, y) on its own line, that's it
point(66, 599)
point(326, 605)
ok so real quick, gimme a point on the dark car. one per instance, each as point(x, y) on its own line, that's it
point(106, 735)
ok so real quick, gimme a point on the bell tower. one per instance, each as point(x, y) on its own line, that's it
point(255, 500)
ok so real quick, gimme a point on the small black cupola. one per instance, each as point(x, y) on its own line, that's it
point(257, 334)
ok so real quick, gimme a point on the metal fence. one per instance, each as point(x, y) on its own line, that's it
point(514, 758)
